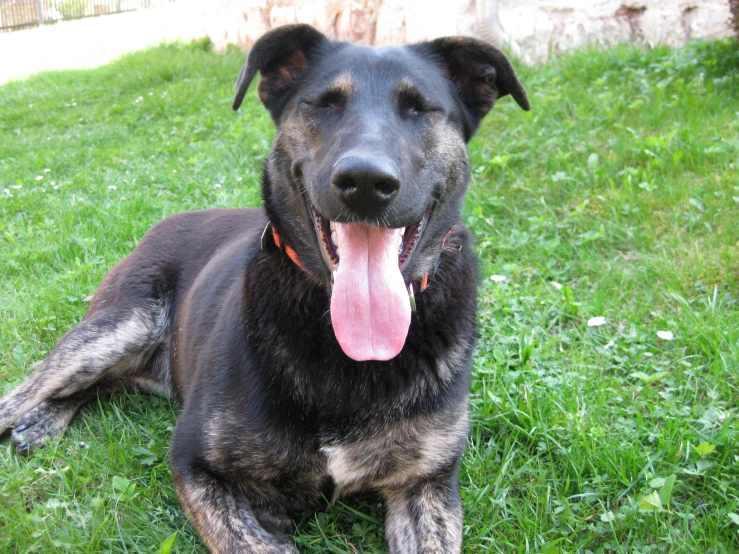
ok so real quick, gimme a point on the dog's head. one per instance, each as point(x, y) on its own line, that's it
point(370, 163)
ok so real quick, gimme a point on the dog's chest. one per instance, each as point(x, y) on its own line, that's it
point(396, 455)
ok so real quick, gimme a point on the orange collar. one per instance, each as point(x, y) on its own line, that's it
point(289, 250)
point(293, 255)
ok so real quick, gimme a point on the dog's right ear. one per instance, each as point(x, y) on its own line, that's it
point(281, 57)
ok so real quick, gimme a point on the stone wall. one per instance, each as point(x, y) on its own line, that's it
point(557, 26)
point(534, 28)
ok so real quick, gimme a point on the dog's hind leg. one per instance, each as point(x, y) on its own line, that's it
point(111, 344)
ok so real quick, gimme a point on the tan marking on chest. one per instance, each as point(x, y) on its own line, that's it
point(396, 455)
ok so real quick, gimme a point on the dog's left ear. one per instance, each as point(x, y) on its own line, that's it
point(481, 74)
point(281, 57)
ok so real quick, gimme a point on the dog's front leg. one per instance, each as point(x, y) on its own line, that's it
point(425, 517)
point(224, 520)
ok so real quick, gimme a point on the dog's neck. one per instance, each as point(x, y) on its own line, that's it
point(289, 329)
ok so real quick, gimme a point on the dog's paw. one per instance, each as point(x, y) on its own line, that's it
point(38, 426)
point(284, 549)
point(7, 415)
point(274, 522)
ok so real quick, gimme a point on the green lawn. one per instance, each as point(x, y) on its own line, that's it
point(617, 196)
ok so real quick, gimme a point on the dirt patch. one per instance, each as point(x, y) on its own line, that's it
point(96, 41)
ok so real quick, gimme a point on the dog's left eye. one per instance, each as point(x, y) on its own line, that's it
point(411, 104)
point(331, 100)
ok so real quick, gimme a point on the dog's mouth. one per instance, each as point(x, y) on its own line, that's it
point(329, 243)
point(370, 306)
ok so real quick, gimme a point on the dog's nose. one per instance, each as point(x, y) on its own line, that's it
point(365, 184)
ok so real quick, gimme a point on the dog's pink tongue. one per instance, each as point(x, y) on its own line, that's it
point(370, 310)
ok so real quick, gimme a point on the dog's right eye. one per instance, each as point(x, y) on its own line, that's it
point(330, 100)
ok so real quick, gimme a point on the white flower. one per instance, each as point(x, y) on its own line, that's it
point(217, 185)
point(498, 278)
point(596, 321)
point(557, 285)
point(665, 335)
point(47, 170)
point(112, 187)
point(610, 344)
point(39, 177)
point(7, 192)
point(239, 178)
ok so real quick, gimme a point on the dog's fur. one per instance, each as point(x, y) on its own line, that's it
point(210, 309)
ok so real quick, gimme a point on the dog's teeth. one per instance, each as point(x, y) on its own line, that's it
point(334, 239)
point(331, 225)
point(402, 231)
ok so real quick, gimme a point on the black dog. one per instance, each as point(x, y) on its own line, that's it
point(322, 346)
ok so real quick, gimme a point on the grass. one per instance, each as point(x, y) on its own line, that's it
point(616, 197)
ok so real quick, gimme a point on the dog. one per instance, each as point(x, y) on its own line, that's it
point(321, 346)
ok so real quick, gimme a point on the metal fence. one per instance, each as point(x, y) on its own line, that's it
point(23, 14)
